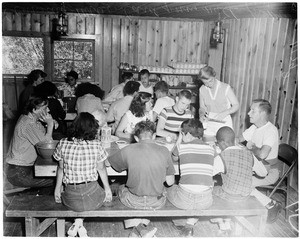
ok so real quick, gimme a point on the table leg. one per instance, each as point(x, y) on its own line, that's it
point(60, 227)
point(31, 224)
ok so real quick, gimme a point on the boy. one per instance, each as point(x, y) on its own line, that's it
point(116, 92)
point(170, 118)
point(145, 85)
point(148, 166)
point(194, 190)
point(163, 100)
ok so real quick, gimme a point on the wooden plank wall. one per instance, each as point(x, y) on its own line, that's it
point(260, 58)
point(262, 63)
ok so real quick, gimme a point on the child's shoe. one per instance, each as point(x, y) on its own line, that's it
point(82, 232)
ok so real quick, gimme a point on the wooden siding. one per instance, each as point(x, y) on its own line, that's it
point(259, 61)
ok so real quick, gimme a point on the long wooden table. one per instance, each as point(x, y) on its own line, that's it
point(48, 167)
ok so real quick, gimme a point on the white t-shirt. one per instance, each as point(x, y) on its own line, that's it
point(265, 135)
point(144, 89)
point(162, 103)
point(133, 120)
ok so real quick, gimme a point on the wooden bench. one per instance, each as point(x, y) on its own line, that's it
point(33, 208)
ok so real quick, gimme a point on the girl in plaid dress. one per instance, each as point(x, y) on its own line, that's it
point(81, 157)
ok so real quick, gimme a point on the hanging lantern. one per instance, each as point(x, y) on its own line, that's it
point(218, 32)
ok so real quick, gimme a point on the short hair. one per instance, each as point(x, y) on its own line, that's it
point(73, 74)
point(138, 104)
point(131, 87)
point(45, 89)
point(84, 127)
point(161, 86)
point(34, 103)
point(194, 127)
point(226, 134)
point(185, 93)
point(144, 72)
point(263, 105)
point(89, 88)
point(34, 75)
point(144, 127)
point(126, 76)
point(208, 71)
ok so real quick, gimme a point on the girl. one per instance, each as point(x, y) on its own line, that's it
point(80, 156)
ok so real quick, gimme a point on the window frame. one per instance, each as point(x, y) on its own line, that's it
point(75, 39)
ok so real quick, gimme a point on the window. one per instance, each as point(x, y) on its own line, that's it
point(74, 55)
point(20, 55)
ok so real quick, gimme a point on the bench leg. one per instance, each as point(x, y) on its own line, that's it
point(31, 225)
point(262, 224)
point(60, 227)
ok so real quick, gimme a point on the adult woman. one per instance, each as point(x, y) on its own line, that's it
point(139, 110)
point(22, 154)
point(217, 102)
point(34, 78)
point(49, 91)
point(81, 157)
point(89, 98)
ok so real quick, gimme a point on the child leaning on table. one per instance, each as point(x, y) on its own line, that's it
point(196, 159)
point(81, 157)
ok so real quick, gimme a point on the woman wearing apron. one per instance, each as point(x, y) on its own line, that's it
point(217, 102)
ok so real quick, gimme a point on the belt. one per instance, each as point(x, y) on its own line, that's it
point(85, 182)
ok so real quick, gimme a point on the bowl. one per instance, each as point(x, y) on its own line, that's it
point(46, 148)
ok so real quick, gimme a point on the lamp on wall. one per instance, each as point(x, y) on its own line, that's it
point(218, 31)
point(60, 24)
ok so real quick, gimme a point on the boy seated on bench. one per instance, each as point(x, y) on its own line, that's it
point(194, 190)
point(148, 166)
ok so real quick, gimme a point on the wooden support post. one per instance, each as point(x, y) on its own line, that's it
point(31, 224)
point(60, 226)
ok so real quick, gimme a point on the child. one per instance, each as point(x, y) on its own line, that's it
point(194, 190)
point(145, 85)
point(163, 100)
point(149, 165)
point(68, 88)
point(171, 118)
point(81, 157)
point(116, 92)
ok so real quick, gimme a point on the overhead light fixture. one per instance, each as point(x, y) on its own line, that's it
point(218, 34)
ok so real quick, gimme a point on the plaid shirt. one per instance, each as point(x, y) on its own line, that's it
point(80, 158)
point(238, 166)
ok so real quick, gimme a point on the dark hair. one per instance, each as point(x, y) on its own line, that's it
point(264, 105)
point(185, 93)
point(138, 104)
point(144, 127)
point(88, 88)
point(34, 75)
point(73, 74)
point(126, 76)
point(84, 127)
point(45, 89)
point(34, 103)
point(144, 71)
point(194, 127)
point(207, 71)
point(226, 134)
point(161, 86)
point(131, 87)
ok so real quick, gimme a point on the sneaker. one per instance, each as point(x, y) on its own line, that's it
point(274, 209)
point(73, 230)
point(82, 232)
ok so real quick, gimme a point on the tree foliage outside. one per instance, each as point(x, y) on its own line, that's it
point(73, 55)
point(21, 55)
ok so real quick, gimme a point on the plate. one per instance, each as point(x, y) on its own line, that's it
point(113, 138)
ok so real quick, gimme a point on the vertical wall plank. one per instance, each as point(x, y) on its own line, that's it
point(80, 24)
point(142, 38)
point(99, 51)
point(90, 25)
point(26, 22)
point(36, 22)
point(115, 50)
point(72, 27)
point(18, 22)
point(45, 23)
point(107, 48)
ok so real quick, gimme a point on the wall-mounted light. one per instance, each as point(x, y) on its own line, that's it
point(218, 32)
point(60, 24)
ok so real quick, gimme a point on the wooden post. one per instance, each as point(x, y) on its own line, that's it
point(60, 226)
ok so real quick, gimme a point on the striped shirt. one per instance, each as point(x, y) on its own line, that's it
point(173, 120)
point(28, 132)
point(80, 158)
point(196, 163)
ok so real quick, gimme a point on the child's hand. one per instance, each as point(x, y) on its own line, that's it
point(250, 144)
point(47, 118)
point(108, 195)
point(57, 195)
